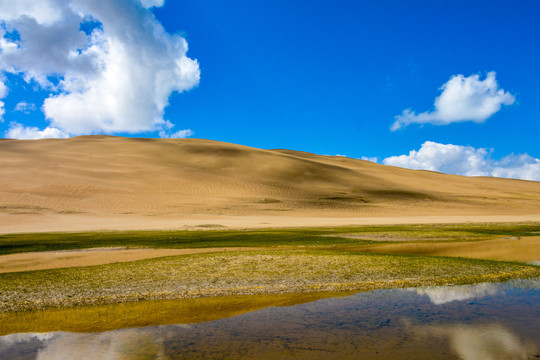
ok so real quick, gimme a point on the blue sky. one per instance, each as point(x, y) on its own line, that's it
point(327, 77)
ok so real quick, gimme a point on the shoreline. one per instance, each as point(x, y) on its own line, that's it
point(336, 289)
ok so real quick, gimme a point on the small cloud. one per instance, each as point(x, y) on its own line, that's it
point(3, 93)
point(366, 158)
point(372, 159)
point(3, 90)
point(462, 99)
point(181, 134)
point(467, 160)
point(25, 107)
point(18, 131)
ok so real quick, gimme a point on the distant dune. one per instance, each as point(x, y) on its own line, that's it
point(104, 182)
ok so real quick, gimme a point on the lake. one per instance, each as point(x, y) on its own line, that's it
point(472, 322)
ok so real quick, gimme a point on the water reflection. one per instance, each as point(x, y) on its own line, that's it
point(444, 294)
point(484, 321)
point(483, 342)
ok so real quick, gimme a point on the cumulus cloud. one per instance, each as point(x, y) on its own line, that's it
point(110, 64)
point(467, 160)
point(462, 99)
point(18, 131)
point(44, 12)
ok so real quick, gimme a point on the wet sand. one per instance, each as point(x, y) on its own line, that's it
point(88, 257)
point(525, 249)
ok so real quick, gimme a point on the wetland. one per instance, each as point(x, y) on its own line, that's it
point(345, 292)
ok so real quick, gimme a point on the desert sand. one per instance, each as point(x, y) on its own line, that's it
point(115, 183)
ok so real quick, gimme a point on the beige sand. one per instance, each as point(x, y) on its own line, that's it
point(102, 182)
point(88, 257)
point(526, 249)
point(71, 223)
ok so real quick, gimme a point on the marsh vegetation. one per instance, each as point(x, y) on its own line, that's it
point(275, 261)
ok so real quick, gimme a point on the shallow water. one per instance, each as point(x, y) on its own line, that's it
point(483, 321)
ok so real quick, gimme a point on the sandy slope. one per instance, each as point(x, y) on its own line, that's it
point(102, 182)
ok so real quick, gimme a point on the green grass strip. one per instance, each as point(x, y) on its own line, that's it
point(242, 273)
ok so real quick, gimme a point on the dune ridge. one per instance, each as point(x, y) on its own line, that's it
point(182, 182)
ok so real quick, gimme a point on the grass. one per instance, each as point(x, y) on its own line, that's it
point(301, 260)
point(242, 273)
point(17, 243)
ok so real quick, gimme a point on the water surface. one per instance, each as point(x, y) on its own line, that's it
point(483, 321)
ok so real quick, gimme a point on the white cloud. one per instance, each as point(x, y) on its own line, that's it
point(3, 93)
point(115, 76)
point(25, 107)
point(181, 134)
point(150, 3)
point(3, 90)
point(366, 158)
point(462, 99)
point(18, 131)
point(43, 11)
point(467, 160)
point(372, 159)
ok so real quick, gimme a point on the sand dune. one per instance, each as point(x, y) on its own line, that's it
point(96, 182)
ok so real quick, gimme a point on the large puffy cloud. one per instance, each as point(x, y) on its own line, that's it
point(467, 160)
point(110, 64)
point(462, 99)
